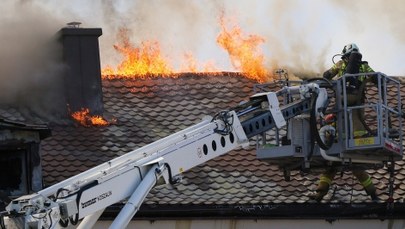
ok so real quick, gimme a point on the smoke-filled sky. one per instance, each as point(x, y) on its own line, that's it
point(300, 35)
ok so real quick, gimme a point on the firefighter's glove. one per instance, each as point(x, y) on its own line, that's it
point(330, 118)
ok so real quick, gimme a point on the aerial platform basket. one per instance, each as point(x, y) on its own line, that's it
point(367, 127)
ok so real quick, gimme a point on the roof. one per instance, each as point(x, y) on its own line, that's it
point(42, 129)
point(148, 109)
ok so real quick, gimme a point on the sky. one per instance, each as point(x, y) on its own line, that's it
point(299, 35)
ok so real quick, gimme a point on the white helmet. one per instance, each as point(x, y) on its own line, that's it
point(349, 49)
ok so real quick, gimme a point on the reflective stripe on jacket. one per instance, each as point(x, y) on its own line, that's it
point(340, 67)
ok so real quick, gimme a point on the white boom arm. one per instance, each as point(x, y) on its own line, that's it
point(131, 176)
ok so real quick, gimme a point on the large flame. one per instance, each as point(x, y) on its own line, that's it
point(243, 51)
point(84, 118)
point(146, 59)
point(141, 61)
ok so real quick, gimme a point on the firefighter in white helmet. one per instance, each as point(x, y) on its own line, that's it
point(355, 94)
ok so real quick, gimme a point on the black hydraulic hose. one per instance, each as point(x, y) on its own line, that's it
point(313, 126)
point(328, 82)
point(313, 129)
point(227, 118)
point(74, 219)
point(172, 181)
point(64, 223)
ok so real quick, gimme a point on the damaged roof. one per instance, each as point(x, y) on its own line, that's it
point(145, 110)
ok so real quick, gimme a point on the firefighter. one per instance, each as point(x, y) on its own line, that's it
point(339, 68)
point(350, 63)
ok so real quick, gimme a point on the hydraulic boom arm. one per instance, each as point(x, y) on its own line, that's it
point(131, 176)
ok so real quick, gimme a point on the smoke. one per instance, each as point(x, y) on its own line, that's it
point(193, 26)
point(374, 13)
point(299, 36)
point(29, 64)
point(179, 26)
point(378, 29)
point(293, 38)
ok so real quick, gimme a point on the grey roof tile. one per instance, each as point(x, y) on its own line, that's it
point(152, 108)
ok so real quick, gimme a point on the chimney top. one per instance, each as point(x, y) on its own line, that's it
point(74, 24)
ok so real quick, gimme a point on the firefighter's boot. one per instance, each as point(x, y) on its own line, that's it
point(371, 191)
point(323, 187)
point(318, 195)
point(367, 183)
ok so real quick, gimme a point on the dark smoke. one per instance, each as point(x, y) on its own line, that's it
point(30, 63)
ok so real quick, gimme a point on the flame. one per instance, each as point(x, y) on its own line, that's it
point(243, 51)
point(146, 59)
point(84, 118)
point(141, 61)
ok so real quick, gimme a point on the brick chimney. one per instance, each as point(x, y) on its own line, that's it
point(83, 75)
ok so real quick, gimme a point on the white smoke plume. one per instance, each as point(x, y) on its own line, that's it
point(379, 29)
point(300, 35)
